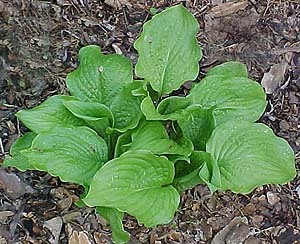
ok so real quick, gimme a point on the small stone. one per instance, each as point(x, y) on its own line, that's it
point(272, 198)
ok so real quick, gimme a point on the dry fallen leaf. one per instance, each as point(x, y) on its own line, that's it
point(272, 79)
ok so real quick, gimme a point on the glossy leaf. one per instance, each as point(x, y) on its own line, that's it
point(114, 218)
point(187, 173)
point(50, 114)
point(247, 155)
point(229, 70)
point(233, 98)
point(122, 143)
point(96, 115)
point(173, 105)
point(126, 106)
point(99, 78)
point(152, 136)
point(137, 183)
point(23, 142)
point(18, 160)
point(72, 154)
point(168, 109)
point(197, 125)
point(168, 50)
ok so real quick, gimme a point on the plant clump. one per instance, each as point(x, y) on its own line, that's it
point(134, 147)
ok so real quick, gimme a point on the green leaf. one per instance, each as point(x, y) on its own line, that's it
point(233, 98)
point(170, 108)
point(18, 160)
point(247, 155)
point(96, 115)
point(99, 78)
point(122, 143)
point(50, 114)
point(197, 125)
point(168, 50)
point(152, 136)
point(114, 218)
point(187, 173)
point(229, 70)
point(173, 105)
point(137, 183)
point(23, 142)
point(126, 106)
point(72, 154)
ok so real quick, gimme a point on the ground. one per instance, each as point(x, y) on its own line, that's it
point(39, 42)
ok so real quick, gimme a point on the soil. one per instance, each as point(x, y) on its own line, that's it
point(39, 42)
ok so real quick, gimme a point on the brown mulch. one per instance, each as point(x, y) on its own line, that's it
point(39, 42)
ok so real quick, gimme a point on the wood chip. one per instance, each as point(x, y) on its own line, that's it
point(4, 215)
point(77, 237)
point(216, 2)
point(54, 225)
point(272, 198)
point(12, 185)
point(117, 3)
point(228, 8)
point(2, 6)
point(235, 232)
point(116, 48)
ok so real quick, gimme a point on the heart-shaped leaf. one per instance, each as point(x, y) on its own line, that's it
point(73, 154)
point(247, 155)
point(50, 114)
point(137, 183)
point(96, 115)
point(197, 125)
point(152, 136)
point(99, 78)
point(232, 98)
point(126, 106)
point(168, 50)
point(229, 70)
point(170, 108)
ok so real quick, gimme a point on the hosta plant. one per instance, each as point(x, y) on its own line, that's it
point(134, 146)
